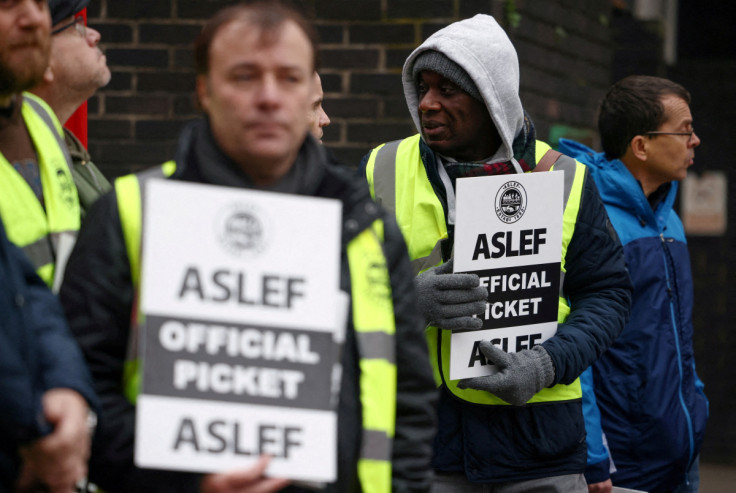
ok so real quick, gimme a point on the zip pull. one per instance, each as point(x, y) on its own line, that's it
point(664, 242)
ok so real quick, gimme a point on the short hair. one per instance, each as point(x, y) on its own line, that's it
point(268, 15)
point(633, 106)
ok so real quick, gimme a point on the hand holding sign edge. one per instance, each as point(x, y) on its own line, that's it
point(520, 376)
point(449, 300)
point(249, 480)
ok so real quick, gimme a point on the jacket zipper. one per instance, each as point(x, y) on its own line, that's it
point(665, 257)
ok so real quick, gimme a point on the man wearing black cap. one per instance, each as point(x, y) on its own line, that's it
point(520, 429)
point(77, 68)
point(44, 385)
point(39, 204)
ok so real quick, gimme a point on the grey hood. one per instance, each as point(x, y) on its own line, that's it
point(482, 48)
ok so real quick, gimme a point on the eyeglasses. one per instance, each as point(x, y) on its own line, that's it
point(77, 23)
point(689, 134)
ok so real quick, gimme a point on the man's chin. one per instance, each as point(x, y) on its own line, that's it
point(105, 79)
point(23, 77)
point(271, 148)
point(439, 146)
point(14, 85)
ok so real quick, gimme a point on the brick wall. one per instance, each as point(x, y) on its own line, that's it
point(134, 121)
point(565, 52)
point(564, 47)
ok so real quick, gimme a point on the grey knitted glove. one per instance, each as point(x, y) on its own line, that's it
point(449, 300)
point(520, 376)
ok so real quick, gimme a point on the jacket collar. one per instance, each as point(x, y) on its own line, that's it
point(199, 158)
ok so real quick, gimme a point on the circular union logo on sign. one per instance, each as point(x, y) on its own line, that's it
point(241, 230)
point(510, 202)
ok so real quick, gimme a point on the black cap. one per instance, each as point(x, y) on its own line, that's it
point(61, 9)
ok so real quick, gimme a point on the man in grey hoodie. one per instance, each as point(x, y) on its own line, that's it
point(521, 428)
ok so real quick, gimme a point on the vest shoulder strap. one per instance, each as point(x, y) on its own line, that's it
point(50, 121)
point(130, 206)
point(550, 157)
point(384, 176)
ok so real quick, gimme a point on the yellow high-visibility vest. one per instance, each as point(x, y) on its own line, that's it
point(373, 320)
point(45, 236)
point(399, 182)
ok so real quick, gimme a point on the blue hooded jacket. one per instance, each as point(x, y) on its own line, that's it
point(653, 409)
point(599, 464)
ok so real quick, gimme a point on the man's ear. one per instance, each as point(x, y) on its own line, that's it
point(203, 93)
point(48, 75)
point(640, 147)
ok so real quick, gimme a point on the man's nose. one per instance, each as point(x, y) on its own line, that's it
point(93, 36)
point(268, 92)
point(33, 13)
point(324, 120)
point(429, 102)
point(694, 140)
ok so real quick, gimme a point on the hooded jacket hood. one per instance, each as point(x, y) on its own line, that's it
point(481, 47)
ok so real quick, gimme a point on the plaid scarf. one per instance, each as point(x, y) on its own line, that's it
point(524, 147)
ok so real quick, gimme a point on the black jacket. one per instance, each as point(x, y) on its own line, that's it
point(494, 444)
point(97, 296)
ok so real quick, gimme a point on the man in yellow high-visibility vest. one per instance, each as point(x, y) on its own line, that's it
point(520, 429)
point(44, 385)
point(77, 69)
point(255, 64)
point(38, 200)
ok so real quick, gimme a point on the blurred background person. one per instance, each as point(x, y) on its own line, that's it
point(45, 388)
point(77, 69)
point(317, 116)
point(652, 405)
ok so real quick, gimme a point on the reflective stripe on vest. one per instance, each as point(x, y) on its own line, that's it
point(421, 218)
point(373, 319)
point(420, 210)
point(46, 236)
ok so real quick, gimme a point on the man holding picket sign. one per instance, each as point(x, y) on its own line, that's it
point(263, 324)
point(521, 428)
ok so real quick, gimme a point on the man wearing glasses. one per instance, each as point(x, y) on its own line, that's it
point(77, 68)
point(653, 409)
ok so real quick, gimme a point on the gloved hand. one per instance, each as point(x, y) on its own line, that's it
point(520, 376)
point(449, 300)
